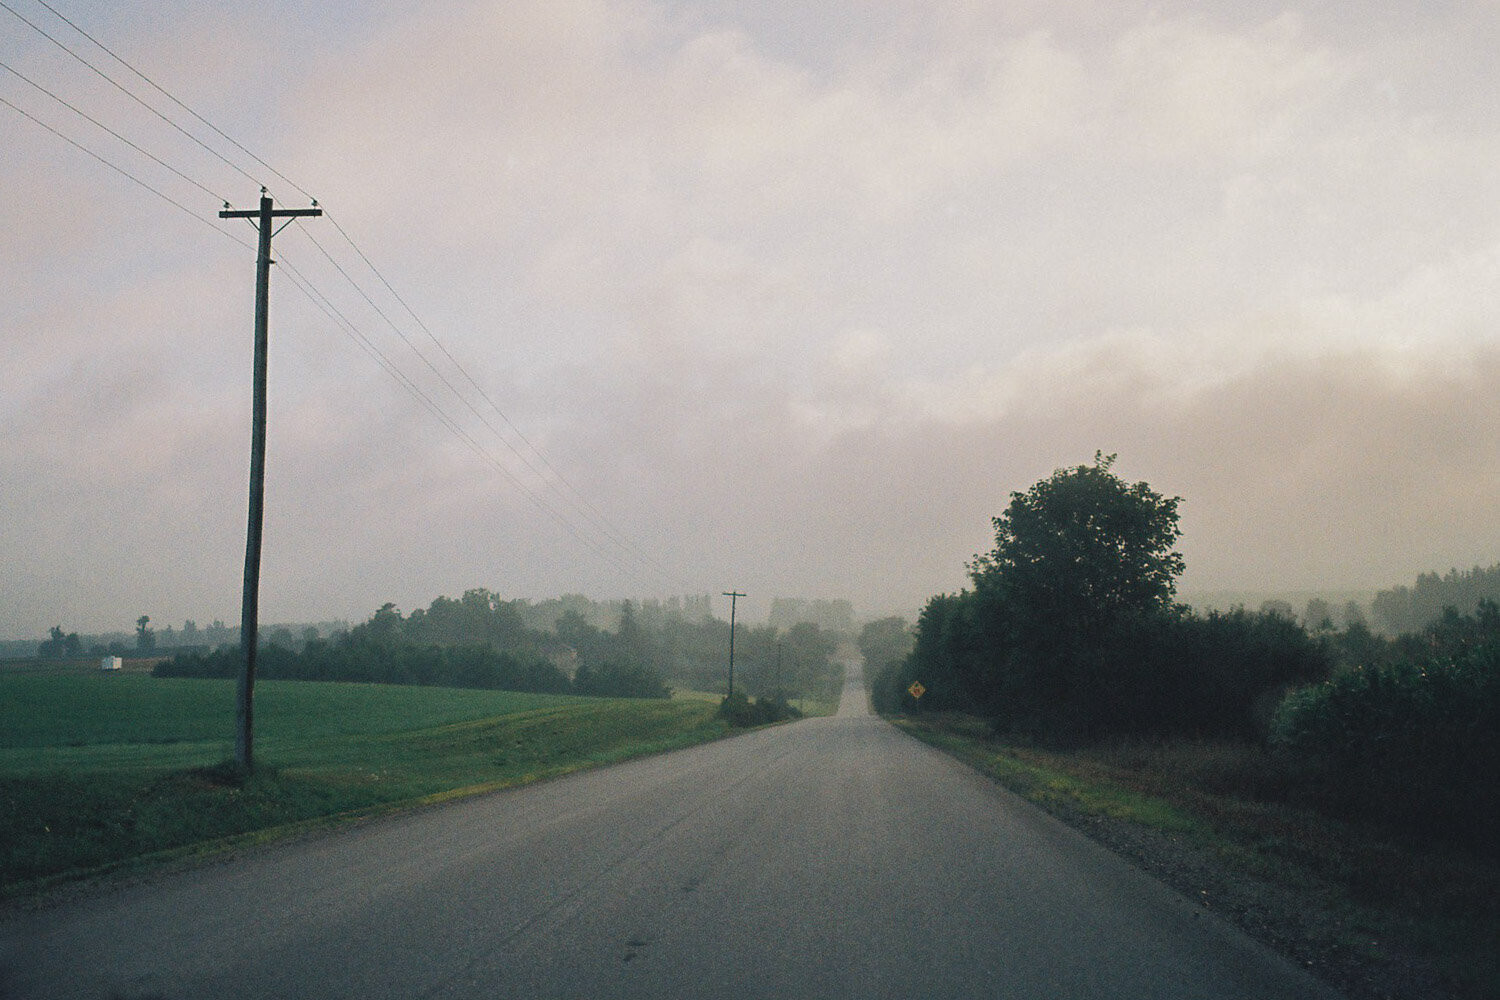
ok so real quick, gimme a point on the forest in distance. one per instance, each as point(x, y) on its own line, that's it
point(1392, 612)
point(836, 616)
point(480, 640)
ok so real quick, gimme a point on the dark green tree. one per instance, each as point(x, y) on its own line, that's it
point(1083, 548)
point(145, 636)
point(1319, 615)
point(60, 646)
point(884, 640)
point(631, 644)
point(1071, 631)
point(1081, 561)
point(1279, 608)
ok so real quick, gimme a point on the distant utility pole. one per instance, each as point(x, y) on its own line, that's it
point(778, 670)
point(244, 740)
point(733, 596)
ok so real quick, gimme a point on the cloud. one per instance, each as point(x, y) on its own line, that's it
point(1186, 87)
point(793, 300)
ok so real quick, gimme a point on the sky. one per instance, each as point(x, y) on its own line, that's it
point(634, 299)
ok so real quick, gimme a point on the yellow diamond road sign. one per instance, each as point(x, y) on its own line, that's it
point(916, 690)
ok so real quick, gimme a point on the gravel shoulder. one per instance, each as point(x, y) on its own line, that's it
point(1300, 922)
point(1306, 919)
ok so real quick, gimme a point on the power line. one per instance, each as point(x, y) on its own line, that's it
point(566, 490)
point(129, 93)
point(159, 89)
point(94, 121)
point(576, 500)
point(120, 170)
point(308, 288)
point(581, 502)
point(322, 302)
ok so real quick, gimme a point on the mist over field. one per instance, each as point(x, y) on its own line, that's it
point(697, 297)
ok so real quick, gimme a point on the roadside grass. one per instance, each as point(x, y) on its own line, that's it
point(814, 706)
point(102, 772)
point(810, 706)
point(690, 694)
point(1232, 799)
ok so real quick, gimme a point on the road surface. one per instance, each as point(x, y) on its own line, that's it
point(825, 859)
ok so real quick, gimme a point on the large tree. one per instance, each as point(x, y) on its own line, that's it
point(1083, 563)
point(1071, 631)
point(1083, 549)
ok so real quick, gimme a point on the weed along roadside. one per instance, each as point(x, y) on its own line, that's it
point(1374, 915)
point(101, 775)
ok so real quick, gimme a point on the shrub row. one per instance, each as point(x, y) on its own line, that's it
point(363, 659)
point(1413, 744)
point(1174, 674)
point(742, 711)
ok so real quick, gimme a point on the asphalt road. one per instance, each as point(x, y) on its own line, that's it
point(829, 858)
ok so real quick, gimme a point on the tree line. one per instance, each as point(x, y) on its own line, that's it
point(1410, 609)
point(482, 640)
point(149, 641)
point(1069, 633)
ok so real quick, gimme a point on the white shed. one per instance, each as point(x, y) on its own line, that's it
point(111, 663)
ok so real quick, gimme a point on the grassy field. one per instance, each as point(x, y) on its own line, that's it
point(1368, 885)
point(99, 771)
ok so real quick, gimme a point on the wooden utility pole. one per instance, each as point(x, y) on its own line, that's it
point(244, 740)
point(778, 670)
point(733, 596)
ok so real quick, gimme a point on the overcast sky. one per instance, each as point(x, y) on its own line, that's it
point(740, 295)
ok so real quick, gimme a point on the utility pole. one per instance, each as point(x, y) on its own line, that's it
point(733, 596)
point(244, 740)
point(778, 670)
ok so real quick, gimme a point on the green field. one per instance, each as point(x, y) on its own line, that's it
point(101, 770)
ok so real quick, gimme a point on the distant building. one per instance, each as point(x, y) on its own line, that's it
point(111, 663)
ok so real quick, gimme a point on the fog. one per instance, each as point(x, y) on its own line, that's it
point(725, 296)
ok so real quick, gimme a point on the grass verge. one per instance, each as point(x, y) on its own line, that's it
point(101, 773)
point(1361, 898)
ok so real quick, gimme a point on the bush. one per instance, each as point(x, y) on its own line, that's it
point(885, 687)
point(222, 664)
point(745, 712)
point(1214, 677)
point(364, 659)
point(1148, 675)
point(613, 680)
point(1415, 744)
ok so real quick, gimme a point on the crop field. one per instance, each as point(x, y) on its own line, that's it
point(99, 771)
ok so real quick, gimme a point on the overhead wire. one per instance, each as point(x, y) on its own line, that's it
point(130, 94)
point(324, 304)
point(94, 121)
point(124, 173)
point(587, 508)
point(577, 501)
point(577, 498)
point(307, 287)
point(169, 96)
